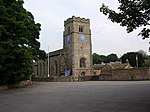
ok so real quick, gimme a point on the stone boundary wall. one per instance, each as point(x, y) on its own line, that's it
point(135, 74)
point(127, 75)
point(54, 79)
point(19, 85)
point(64, 79)
point(131, 74)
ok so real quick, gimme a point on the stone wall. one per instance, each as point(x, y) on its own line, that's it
point(113, 75)
point(78, 51)
point(54, 79)
point(127, 74)
point(19, 85)
point(131, 74)
point(135, 74)
point(56, 65)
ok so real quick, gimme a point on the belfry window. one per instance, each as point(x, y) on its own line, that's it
point(81, 28)
point(82, 63)
point(69, 29)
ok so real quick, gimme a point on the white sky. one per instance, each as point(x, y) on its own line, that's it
point(107, 37)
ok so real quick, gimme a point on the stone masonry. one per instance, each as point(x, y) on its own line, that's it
point(76, 55)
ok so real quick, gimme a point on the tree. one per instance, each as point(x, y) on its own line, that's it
point(147, 63)
point(144, 54)
point(132, 14)
point(145, 57)
point(98, 59)
point(19, 44)
point(134, 58)
point(112, 58)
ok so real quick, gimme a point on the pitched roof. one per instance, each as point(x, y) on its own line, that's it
point(98, 66)
point(112, 66)
point(118, 66)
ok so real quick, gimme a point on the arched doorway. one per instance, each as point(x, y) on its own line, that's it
point(82, 63)
point(82, 74)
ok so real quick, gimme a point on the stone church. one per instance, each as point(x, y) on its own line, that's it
point(75, 59)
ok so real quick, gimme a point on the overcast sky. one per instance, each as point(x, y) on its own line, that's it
point(107, 37)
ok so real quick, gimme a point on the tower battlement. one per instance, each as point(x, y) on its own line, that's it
point(76, 19)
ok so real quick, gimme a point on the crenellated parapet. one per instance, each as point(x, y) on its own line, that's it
point(76, 19)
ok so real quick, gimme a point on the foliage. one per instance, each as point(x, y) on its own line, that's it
point(134, 58)
point(144, 54)
point(18, 42)
point(111, 58)
point(145, 57)
point(132, 14)
point(97, 59)
point(147, 63)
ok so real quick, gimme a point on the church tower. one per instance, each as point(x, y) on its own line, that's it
point(77, 46)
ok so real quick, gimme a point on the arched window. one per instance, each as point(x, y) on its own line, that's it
point(44, 69)
point(56, 68)
point(83, 63)
point(52, 71)
point(80, 28)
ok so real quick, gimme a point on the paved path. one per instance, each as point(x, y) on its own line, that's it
point(79, 97)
